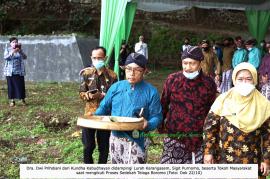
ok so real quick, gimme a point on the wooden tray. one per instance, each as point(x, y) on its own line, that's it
point(111, 123)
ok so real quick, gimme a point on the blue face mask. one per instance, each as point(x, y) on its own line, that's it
point(98, 64)
point(191, 75)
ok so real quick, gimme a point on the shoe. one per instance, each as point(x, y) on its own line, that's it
point(23, 102)
point(12, 103)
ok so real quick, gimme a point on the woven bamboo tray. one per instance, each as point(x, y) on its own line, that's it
point(111, 123)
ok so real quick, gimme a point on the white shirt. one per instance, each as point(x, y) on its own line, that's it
point(142, 48)
point(184, 47)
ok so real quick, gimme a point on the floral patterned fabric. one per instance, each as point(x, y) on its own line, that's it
point(185, 105)
point(228, 144)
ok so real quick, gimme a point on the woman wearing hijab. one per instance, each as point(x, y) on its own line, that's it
point(237, 122)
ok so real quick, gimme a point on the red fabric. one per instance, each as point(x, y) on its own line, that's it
point(265, 66)
point(186, 104)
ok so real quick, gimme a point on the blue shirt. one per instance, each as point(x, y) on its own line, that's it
point(122, 100)
point(254, 57)
point(239, 56)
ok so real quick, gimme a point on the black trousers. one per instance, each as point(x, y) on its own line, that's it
point(88, 140)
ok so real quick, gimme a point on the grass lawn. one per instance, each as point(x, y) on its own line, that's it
point(43, 131)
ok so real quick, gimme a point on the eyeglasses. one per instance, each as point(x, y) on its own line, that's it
point(135, 70)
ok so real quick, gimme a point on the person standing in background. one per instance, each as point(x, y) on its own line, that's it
point(266, 86)
point(211, 66)
point(123, 57)
point(228, 50)
point(240, 54)
point(14, 71)
point(218, 51)
point(254, 54)
point(263, 48)
point(141, 47)
point(265, 66)
point(186, 44)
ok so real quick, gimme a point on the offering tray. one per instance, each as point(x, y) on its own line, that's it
point(111, 123)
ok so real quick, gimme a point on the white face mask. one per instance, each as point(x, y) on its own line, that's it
point(244, 89)
point(191, 75)
point(249, 48)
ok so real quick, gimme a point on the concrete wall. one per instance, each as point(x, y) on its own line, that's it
point(52, 58)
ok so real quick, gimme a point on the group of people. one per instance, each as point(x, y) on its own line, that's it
point(198, 126)
point(123, 98)
point(221, 58)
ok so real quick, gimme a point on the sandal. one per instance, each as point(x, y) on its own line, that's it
point(12, 104)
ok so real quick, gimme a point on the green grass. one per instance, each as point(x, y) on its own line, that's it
point(24, 133)
point(27, 131)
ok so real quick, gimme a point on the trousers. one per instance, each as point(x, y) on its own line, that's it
point(89, 143)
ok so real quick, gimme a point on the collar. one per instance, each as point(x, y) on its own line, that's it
point(101, 72)
point(136, 85)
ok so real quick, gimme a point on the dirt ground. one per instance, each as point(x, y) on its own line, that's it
point(45, 130)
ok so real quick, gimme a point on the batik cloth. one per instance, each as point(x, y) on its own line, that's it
point(175, 153)
point(226, 83)
point(125, 151)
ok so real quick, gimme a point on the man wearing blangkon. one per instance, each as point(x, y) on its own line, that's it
point(186, 99)
point(127, 98)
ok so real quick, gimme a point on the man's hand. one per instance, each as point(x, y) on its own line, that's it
point(145, 123)
point(217, 78)
point(89, 95)
point(89, 114)
point(264, 168)
point(208, 159)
